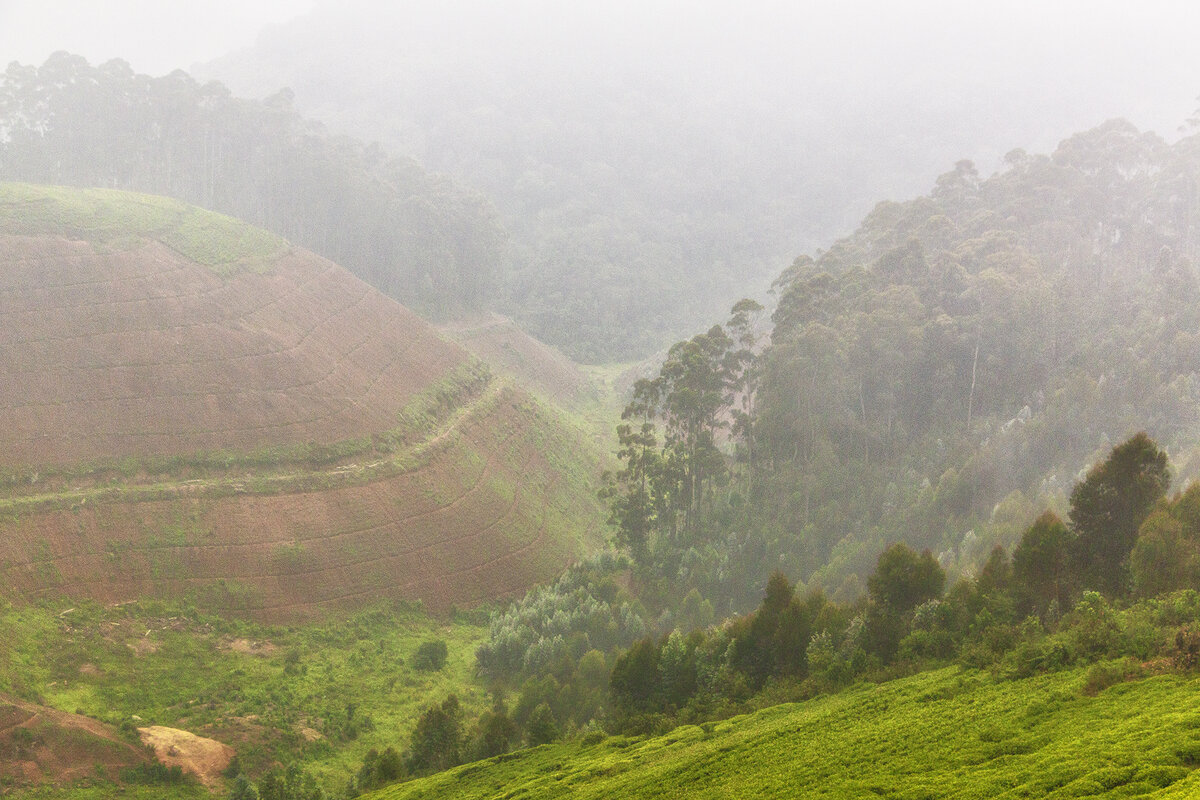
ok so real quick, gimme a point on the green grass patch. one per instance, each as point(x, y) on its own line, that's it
point(103, 790)
point(320, 695)
point(116, 220)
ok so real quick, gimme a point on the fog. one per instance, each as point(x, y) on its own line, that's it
point(155, 37)
point(966, 80)
point(703, 143)
point(905, 88)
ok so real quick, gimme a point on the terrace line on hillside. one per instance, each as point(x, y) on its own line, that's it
point(198, 408)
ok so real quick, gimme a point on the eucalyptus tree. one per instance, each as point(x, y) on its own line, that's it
point(658, 498)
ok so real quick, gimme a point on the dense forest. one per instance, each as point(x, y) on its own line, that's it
point(902, 456)
point(634, 208)
point(936, 378)
point(651, 166)
point(939, 376)
point(417, 237)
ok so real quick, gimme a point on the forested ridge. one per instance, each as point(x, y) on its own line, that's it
point(938, 378)
point(944, 373)
point(415, 236)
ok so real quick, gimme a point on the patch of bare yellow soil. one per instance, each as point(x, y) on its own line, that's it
point(195, 755)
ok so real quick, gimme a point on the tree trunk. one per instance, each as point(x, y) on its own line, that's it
point(971, 396)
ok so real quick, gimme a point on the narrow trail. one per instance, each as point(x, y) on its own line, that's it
point(266, 482)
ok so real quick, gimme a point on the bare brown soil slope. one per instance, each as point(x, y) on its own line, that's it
point(143, 352)
point(482, 515)
point(39, 744)
point(161, 415)
point(506, 348)
point(196, 755)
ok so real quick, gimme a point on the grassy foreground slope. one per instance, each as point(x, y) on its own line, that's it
point(196, 409)
point(941, 734)
point(316, 695)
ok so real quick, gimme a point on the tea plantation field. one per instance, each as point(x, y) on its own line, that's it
point(941, 734)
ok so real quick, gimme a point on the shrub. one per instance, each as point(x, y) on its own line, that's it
point(1035, 655)
point(495, 732)
point(923, 644)
point(1091, 626)
point(592, 736)
point(1186, 654)
point(430, 656)
point(542, 728)
point(378, 769)
point(153, 773)
point(1102, 676)
point(243, 789)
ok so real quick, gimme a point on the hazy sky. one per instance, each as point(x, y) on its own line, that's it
point(1141, 56)
point(154, 36)
point(1039, 69)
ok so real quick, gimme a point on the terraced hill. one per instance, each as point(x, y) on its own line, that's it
point(194, 406)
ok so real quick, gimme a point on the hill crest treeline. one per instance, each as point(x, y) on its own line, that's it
point(415, 236)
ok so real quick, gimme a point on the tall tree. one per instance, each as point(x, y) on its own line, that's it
point(1040, 564)
point(437, 740)
point(693, 385)
point(631, 491)
point(1110, 504)
point(658, 499)
point(743, 377)
point(901, 582)
point(1167, 554)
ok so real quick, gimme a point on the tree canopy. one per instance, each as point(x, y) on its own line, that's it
point(1110, 504)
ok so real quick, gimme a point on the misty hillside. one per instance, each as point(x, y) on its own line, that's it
point(652, 165)
point(636, 206)
point(944, 373)
point(315, 482)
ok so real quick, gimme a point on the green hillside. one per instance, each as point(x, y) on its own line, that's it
point(945, 734)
